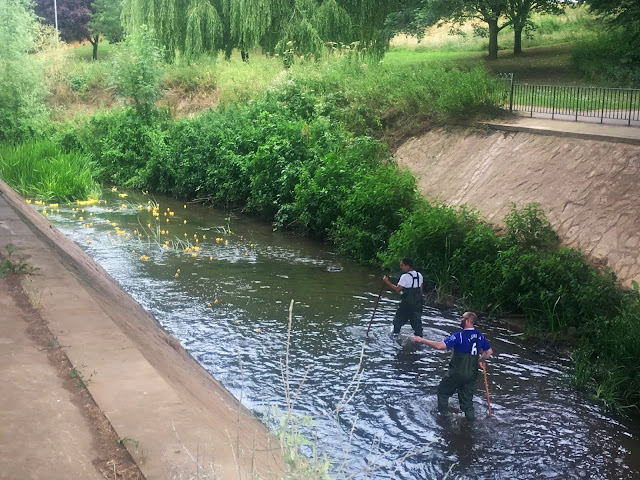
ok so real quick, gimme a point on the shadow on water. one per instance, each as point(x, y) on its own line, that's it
point(227, 301)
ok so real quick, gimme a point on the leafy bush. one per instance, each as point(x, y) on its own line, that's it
point(78, 83)
point(130, 149)
point(138, 71)
point(556, 290)
point(374, 210)
point(607, 358)
point(529, 228)
point(610, 58)
point(22, 89)
point(475, 271)
point(430, 235)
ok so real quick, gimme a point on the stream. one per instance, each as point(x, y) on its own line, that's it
point(223, 285)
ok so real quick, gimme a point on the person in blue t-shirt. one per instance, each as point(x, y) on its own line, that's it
point(470, 350)
point(410, 287)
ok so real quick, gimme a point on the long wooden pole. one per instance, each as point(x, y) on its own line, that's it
point(375, 307)
point(486, 386)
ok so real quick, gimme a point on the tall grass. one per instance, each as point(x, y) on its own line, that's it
point(42, 170)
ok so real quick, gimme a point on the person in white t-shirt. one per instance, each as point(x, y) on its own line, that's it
point(410, 287)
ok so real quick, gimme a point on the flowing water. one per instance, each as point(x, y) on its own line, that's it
point(228, 303)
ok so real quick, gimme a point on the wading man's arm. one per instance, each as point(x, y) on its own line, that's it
point(431, 343)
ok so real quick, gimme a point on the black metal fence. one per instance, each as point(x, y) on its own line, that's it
point(620, 104)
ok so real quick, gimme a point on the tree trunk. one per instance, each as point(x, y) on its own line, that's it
point(493, 38)
point(244, 55)
point(517, 41)
point(94, 42)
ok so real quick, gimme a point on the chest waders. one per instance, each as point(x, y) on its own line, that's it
point(461, 378)
point(410, 308)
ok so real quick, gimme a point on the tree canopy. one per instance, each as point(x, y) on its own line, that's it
point(80, 20)
point(298, 27)
point(73, 17)
point(624, 14)
point(416, 15)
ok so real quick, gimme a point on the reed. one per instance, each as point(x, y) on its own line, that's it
point(42, 170)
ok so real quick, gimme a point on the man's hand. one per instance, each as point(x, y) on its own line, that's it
point(483, 366)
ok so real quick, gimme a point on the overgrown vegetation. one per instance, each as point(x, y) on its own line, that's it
point(22, 91)
point(608, 58)
point(287, 156)
point(41, 169)
point(619, 40)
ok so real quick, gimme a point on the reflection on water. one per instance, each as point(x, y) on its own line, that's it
point(228, 299)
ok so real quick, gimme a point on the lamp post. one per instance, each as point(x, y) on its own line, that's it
point(55, 13)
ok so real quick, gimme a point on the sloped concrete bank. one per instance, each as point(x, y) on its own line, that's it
point(586, 187)
point(179, 422)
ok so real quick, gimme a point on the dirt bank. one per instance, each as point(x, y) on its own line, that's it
point(584, 186)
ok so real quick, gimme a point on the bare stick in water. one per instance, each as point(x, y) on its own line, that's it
point(486, 386)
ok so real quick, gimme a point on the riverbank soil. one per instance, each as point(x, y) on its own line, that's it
point(585, 183)
point(174, 419)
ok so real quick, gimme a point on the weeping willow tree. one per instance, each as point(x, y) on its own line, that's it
point(303, 32)
point(186, 27)
point(300, 27)
point(368, 17)
point(250, 20)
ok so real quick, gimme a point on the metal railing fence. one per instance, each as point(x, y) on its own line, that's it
point(621, 104)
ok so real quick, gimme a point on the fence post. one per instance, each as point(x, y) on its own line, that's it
point(553, 103)
point(577, 103)
point(630, 108)
point(604, 94)
point(511, 95)
point(533, 89)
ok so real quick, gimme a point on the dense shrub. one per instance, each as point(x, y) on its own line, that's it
point(129, 149)
point(556, 290)
point(431, 234)
point(607, 358)
point(375, 208)
point(529, 228)
point(610, 58)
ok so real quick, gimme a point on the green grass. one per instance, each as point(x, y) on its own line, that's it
point(41, 170)
point(84, 51)
point(546, 58)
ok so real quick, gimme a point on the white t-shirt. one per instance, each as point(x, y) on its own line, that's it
point(407, 280)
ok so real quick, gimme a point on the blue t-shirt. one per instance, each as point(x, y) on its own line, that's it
point(463, 342)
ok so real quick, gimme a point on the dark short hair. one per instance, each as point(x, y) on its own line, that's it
point(407, 261)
